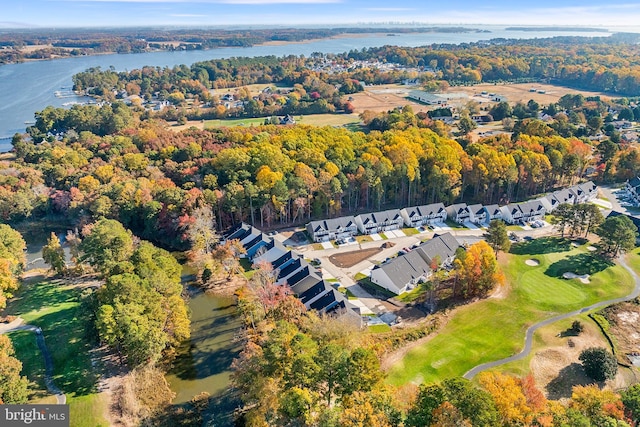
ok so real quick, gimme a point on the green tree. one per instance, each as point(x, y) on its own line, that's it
point(466, 125)
point(598, 363)
point(13, 387)
point(107, 244)
point(474, 404)
point(53, 254)
point(563, 216)
point(497, 237)
point(631, 401)
point(617, 234)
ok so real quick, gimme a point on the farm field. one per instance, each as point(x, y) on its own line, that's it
point(494, 328)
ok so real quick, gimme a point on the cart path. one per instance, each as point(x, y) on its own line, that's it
point(533, 328)
point(17, 325)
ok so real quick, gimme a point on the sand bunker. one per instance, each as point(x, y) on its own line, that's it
point(584, 278)
point(592, 248)
point(532, 262)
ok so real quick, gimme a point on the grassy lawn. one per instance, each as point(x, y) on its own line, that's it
point(246, 265)
point(363, 239)
point(54, 307)
point(494, 328)
point(315, 120)
point(384, 236)
point(377, 329)
point(27, 351)
point(454, 224)
point(413, 294)
point(514, 228)
point(410, 231)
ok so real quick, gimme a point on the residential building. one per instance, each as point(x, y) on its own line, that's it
point(632, 188)
point(458, 213)
point(424, 215)
point(379, 222)
point(477, 214)
point(402, 273)
point(331, 229)
point(492, 212)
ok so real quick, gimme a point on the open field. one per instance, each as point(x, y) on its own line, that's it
point(349, 259)
point(346, 120)
point(387, 97)
point(521, 92)
point(55, 307)
point(494, 328)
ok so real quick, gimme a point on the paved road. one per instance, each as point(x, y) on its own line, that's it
point(17, 325)
point(532, 329)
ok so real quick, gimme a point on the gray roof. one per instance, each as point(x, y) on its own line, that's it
point(564, 196)
point(332, 224)
point(532, 206)
point(493, 210)
point(405, 268)
point(458, 208)
point(381, 217)
point(475, 209)
point(432, 209)
point(443, 246)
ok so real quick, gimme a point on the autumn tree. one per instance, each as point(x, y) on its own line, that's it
point(508, 396)
point(13, 387)
point(497, 237)
point(477, 270)
point(601, 407)
point(53, 254)
point(12, 261)
point(599, 364)
point(474, 404)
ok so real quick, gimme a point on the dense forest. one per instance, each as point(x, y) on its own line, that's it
point(88, 162)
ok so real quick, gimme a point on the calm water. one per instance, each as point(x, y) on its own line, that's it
point(29, 87)
point(205, 365)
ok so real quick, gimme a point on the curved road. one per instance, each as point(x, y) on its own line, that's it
point(48, 361)
point(533, 328)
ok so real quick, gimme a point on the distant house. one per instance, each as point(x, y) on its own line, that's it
point(424, 215)
point(379, 222)
point(331, 229)
point(458, 213)
point(632, 188)
point(482, 118)
point(426, 97)
point(477, 214)
point(287, 120)
point(405, 271)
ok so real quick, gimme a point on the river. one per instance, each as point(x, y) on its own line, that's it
point(204, 365)
point(29, 87)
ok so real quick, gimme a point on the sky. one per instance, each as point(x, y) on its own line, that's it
point(199, 13)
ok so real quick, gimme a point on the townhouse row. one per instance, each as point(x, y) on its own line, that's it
point(290, 269)
point(437, 213)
